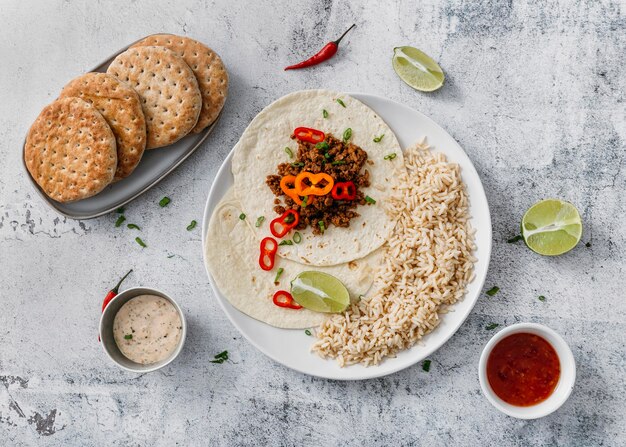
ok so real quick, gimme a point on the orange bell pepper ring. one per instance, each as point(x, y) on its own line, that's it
point(287, 184)
point(315, 188)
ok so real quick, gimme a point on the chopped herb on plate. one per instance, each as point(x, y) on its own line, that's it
point(390, 156)
point(323, 145)
point(220, 358)
point(128, 337)
point(278, 273)
point(242, 216)
point(493, 291)
point(426, 365)
point(378, 139)
point(297, 237)
point(297, 164)
point(307, 332)
point(347, 134)
point(164, 202)
point(286, 242)
point(140, 242)
point(491, 326)
point(338, 162)
point(322, 226)
point(368, 199)
point(133, 227)
point(192, 225)
point(341, 103)
point(325, 113)
point(259, 221)
point(120, 220)
point(289, 152)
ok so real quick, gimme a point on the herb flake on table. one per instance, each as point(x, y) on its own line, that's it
point(322, 226)
point(347, 134)
point(588, 244)
point(297, 164)
point(541, 298)
point(220, 358)
point(493, 291)
point(378, 140)
point(341, 103)
point(242, 216)
point(133, 227)
point(426, 365)
point(192, 225)
point(278, 273)
point(164, 202)
point(120, 220)
point(515, 239)
point(259, 221)
point(288, 151)
point(307, 332)
point(325, 113)
point(140, 242)
point(120, 210)
point(491, 326)
point(338, 162)
point(170, 256)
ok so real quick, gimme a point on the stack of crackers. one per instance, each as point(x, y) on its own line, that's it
point(152, 95)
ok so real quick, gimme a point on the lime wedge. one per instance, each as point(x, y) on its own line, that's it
point(552, 227)
point(320, 292)
point(417, 69)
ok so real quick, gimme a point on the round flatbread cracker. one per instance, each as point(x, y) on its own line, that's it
point(168, 90)
point(207, 67)
point(70, 150)
point(121, 108)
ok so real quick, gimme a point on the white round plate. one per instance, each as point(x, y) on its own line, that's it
point(291, 347)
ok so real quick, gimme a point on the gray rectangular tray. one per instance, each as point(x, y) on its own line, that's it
point(155, 165)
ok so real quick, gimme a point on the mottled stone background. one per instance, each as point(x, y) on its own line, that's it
point(535, 94)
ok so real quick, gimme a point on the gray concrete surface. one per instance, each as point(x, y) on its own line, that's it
point(535, 94)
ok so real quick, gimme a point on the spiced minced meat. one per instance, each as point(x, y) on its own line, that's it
point(343, 161)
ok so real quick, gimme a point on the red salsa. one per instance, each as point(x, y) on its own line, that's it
point(523, 369)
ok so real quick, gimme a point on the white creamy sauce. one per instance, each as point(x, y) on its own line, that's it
point(147, 329)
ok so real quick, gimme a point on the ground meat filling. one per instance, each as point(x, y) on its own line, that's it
point(343, 161)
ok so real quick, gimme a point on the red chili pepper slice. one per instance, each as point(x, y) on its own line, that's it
point(310, 135)
point(269, 246)
point(324, 54)
point(283, 224)
point(113, 293)
point(283, 298)
point(344, 191)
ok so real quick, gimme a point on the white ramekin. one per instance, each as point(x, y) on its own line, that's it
point(563, 387)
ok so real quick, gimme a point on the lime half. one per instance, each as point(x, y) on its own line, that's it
point(552, 227)
point(417, 69)
point(320, 292)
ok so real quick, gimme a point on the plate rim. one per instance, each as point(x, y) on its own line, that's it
point(52, 203)
point(227, 166)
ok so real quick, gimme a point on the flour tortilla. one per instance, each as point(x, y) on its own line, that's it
point(261, 149)
point(232, 254)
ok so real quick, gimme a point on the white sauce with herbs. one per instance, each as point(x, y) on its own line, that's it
point(147, 329)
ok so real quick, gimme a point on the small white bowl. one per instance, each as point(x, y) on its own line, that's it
point(106, 331)
point(563, 388)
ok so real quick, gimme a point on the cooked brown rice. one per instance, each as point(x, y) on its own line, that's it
point(427, 264)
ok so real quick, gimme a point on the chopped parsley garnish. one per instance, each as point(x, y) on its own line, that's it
point(491, 326)
point(297, 237)
point(133, 227)
point(192, 225)
point(289, 152)
point(377, 139)
point(278, 273)
point(347, 134)
point(220, 358)
point(164, 201)
point(368, 199)
point(297, 164)
point(322, 226)
point(304, 201)
point(259, 221)
point(307, 332)
point(588, 244)
point(323, 145)
point(140, 242)
point(390, 156)
point(290, 218)
point(426, 365)
point(541, 298)
point(493, 291)
point(286, 242)
point(341, 103)
point(128, 337)
point(327, 155)
point(325, 113)
point(170, 256)
point(338, 162)
point(242, 216)
point(120, 210)
point(514, 239)
point(120, 220)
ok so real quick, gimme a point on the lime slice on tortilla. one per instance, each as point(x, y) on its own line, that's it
point(552, 227)
point(417, 69)
point(320, 292)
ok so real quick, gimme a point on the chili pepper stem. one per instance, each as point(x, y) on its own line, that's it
point(343, 35)
point(117, 287)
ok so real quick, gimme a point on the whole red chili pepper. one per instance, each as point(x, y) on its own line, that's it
point(283, 224)
point(329, 50)
point(269, 246)
point(283, 298)
point(344, 191)
point(310, 135)
point(114, 291)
